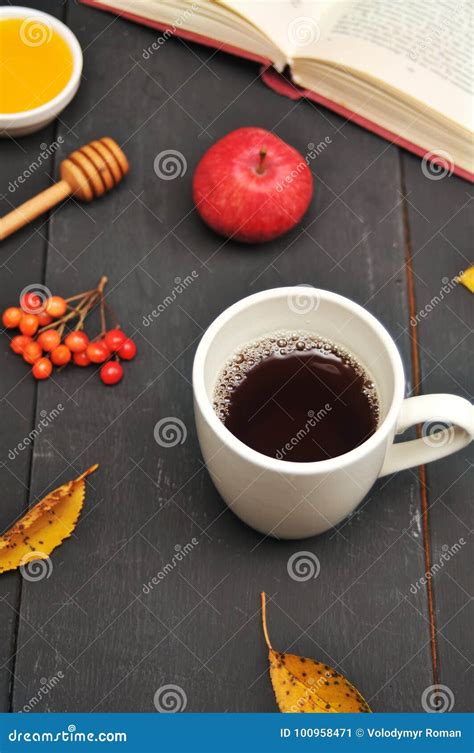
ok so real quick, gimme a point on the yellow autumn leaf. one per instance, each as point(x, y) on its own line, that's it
point(45, 526)
point(302, 685)
point(467, 279)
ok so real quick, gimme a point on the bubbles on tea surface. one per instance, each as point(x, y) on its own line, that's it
point(282, 343)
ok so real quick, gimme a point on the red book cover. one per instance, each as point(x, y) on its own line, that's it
point(281, 84)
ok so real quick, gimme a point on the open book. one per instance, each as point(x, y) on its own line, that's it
point(402, 68)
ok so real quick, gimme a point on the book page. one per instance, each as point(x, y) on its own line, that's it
point(292, 25)
point(421, 47)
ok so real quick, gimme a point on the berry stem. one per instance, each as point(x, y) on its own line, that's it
point(63, 320)
point(78, 307)
point(66, 318)
point(112, 315)
point(102, 283)
point(86, 301)
point(103, 326)
point(260, 169)
point(79, 295)
point(100, 289)
point(91, 301)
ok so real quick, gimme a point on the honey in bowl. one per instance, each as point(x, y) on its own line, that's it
point(36, 63)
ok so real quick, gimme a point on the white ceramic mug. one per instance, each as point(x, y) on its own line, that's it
point(294, 500)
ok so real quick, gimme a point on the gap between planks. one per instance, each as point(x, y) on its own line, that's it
point(416, 380)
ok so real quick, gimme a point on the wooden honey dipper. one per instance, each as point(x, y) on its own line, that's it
point(87, 173)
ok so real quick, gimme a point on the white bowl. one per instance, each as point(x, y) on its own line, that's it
point(28, 121)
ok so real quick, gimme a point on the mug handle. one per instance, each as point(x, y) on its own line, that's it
point(433, 409)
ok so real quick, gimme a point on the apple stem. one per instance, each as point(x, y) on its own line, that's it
point(260, 167)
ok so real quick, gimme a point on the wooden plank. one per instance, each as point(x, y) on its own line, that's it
point(25, 171)
point(199, 627)
point(441, 239)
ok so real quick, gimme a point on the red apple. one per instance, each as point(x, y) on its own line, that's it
point(251, 186)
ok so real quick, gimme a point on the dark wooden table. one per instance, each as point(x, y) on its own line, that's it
point(379, 232)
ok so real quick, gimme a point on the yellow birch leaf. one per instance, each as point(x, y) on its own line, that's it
point(45, 526)
point(302, 685)
point(467, 279)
